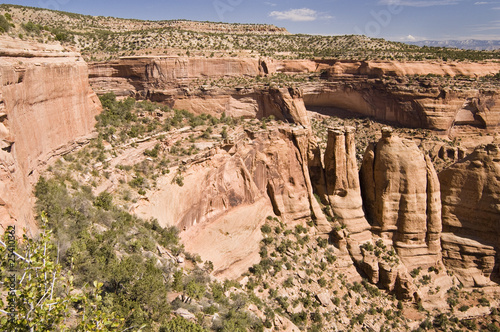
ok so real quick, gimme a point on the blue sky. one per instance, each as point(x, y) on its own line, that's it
point(400, 20)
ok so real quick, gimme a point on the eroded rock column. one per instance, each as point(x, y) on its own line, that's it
point(342, 182)
point(401, 198)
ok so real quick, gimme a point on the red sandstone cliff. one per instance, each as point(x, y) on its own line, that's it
point(46, 104)
point(351, 85)
point(470, 191)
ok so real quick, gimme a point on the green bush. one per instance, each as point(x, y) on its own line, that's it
point(45, 294)
point(4, 24)
point(104, 201)
point(31, 27)
point(179, 324)
point(266, 229)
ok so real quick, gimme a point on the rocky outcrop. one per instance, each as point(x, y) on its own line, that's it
point(232, 192)
point(397, 68)
point(375, 257)
point(210, 85)
point(284, 104)
point(433, 107)
point(342, 181)
point(145, 75)
point(46, 105)
point(151, 76)
point(470, 191)
point(401, 197)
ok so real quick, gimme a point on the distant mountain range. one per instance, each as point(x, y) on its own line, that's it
point(470, 44)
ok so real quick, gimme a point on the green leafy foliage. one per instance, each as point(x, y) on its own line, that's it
point(133, 286)
point(40, 294)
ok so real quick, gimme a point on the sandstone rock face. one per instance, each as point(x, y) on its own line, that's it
point(232, 192)
point(142, 75)
point(470, 192)
point(434, 107)
point(342, 180)
point(46, 105)
point(176, 81)
point(343, 193)
point(396, 68)
point(285, 104)
point(139, 74)
point(401, 196)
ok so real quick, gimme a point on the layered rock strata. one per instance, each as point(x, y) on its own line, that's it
point(46, 104)
point(432, 106)
point(203, 85)
point(401, 196)
point(470, 191)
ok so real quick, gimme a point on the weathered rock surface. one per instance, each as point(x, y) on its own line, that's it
point(46, 105)
point(434, 107)
point(343, 193)
point(342, 180)
point(396, 68)
point(232, 192)
point(401, 197)
point(470, 191)
point(176, 82)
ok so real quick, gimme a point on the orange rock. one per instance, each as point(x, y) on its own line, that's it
point(470, 192)
point(46, 106)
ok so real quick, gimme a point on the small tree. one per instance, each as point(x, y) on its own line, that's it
point(40, 296)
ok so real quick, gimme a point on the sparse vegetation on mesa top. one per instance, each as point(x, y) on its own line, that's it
point(100, 38)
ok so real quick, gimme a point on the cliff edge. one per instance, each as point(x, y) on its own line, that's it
point(46, 105)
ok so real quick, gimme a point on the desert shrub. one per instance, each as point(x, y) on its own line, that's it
point(4, 24)
point(484, 302)
point(179, 324)
point(45, 294)
point(153, 152)
point(31, 27)
point(266, 229)
point(115, 113)
point(104, 201)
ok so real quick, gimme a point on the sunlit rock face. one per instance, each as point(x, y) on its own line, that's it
point(401, 196)
point(46, 106)
point(470, 191)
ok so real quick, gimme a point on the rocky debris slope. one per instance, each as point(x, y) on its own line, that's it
point(46, 104)
point(470, 192)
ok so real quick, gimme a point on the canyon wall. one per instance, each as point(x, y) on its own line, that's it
point(471, 216)
point(227, 196)
point(433, 106)
point(46, 105)
point(231, 85)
